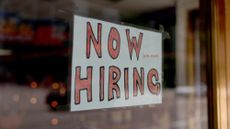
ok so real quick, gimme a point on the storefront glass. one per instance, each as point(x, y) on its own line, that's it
point(35, 64)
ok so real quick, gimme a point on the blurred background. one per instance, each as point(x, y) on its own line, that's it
point(35, 63)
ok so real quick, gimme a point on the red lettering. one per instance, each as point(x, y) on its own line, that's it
point(154, 88)
point(96, 43)
point(114, 76)
point(138, 81)
point(102, 78)
point(83, 84)
point(114, 36)
point(126, 82)
point(134, 44)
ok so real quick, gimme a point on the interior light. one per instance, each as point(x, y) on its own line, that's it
point(54, 104)
point(54, 121)
point(5, 52)
point(33, 100)
point(62, 91)
point(33, 85)
point(55, 86)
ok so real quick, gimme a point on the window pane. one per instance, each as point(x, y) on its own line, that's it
point(35, 64)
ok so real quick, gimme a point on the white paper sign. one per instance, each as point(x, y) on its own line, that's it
point(114, 65)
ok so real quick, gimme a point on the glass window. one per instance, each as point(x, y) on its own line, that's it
point(35, 64)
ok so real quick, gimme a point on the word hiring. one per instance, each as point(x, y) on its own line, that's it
point(114, 73)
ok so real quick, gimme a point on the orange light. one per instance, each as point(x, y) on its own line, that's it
point(55, 86)
point(33, 85)
point(62, 91)
point(54, 121)
point(54, 104)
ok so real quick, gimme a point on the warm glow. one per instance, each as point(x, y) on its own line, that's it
point(55, 86)
point(33, 100)
point(54, 104)
point(62, 91)
point(4, 52)
point(54, 121)
point(33, 85)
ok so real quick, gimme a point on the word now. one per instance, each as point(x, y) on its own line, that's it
point(113, 35)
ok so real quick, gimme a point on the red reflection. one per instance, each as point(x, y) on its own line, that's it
point(54, 104)
point(33, 85)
